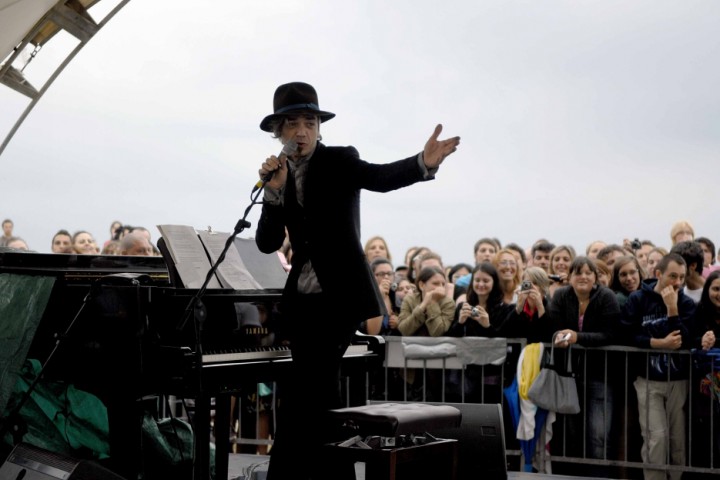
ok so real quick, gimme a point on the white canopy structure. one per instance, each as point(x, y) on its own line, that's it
point(26, 26)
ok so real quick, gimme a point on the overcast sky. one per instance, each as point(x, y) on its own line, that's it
point(580, 120)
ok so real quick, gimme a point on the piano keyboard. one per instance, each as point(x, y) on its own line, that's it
point(269, 353)
point(256, 353)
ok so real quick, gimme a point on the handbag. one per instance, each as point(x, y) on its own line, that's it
point(555, 391)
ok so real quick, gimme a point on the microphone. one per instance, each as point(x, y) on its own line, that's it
point(288, 149)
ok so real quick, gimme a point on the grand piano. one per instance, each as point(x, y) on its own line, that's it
point(118, 328)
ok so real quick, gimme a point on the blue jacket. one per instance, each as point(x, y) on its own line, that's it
point(644, 316)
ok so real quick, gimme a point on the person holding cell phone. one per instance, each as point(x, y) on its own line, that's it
point(587, 313)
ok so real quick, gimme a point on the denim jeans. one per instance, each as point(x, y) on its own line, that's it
point(600, 407)
point(590, 435)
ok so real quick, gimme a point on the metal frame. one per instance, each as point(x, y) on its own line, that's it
point(69, 15)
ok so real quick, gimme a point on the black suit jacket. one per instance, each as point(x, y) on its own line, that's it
point(326, 229)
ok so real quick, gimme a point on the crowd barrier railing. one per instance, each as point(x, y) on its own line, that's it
point(442, 375)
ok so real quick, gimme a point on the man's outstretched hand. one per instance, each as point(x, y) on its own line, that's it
point(436, 150)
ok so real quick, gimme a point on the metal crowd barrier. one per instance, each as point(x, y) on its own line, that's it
point(389, 383)
point(620, 363)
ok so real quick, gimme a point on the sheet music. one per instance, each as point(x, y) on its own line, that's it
point(265, 268)
point(188, 255)
point(232, 271)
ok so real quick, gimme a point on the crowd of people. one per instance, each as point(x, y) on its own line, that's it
point(632, 294)
point(635, 293)
point(123, 240)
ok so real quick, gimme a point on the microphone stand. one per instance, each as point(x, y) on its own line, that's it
point(196, 308)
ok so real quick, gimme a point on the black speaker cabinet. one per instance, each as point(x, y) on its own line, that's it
point(27, 462)
point(481, 438)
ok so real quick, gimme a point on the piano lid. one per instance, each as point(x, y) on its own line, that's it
point(73, 266)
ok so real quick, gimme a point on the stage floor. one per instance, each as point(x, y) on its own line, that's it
point(240, 463)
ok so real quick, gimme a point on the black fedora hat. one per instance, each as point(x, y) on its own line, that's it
point(292, 98)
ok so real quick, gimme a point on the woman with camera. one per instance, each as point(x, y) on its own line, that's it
point(482, 314)
point(588, 314)
point(529, 319)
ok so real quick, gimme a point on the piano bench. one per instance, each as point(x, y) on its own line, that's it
point(395, 440)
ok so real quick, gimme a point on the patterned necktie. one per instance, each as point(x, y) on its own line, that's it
point(301, 166)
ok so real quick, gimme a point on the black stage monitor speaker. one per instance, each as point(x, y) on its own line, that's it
point(27, 462)
point(481, 438)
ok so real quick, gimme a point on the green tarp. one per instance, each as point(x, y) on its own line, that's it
point(23, 299)
point(59, 417)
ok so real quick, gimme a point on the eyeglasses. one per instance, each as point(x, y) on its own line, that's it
point(508, 263)
point(384, 274)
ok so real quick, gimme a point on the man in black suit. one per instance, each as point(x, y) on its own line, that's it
point(315, 194)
